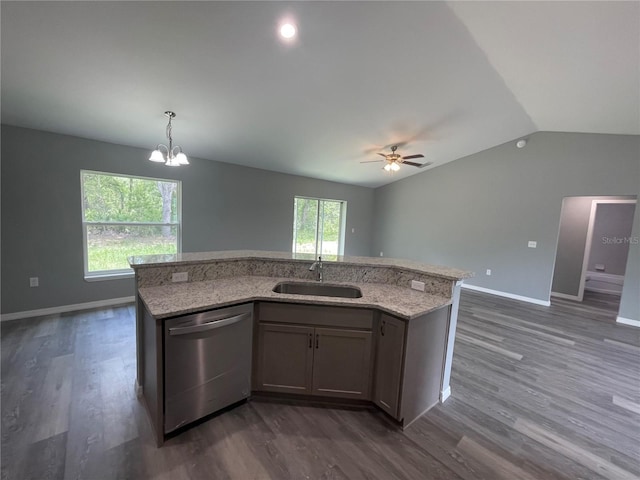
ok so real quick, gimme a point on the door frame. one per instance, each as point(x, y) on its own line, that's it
point(589, 240)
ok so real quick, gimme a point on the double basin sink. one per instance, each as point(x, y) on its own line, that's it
point(318, 289)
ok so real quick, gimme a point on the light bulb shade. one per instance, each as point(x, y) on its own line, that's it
point(387, 167)
point(395, 167)
point(172, 162)
point(288, 30)
point(156, 156)
point(181, 158)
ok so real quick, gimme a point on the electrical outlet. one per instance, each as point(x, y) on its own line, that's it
point(34, 282)
point(382, 254)
point(488, 271)
point(416, 285)
point(180, 277)
point(532, 244)
point(353, 230)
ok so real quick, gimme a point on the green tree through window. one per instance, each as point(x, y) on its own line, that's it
point(318, 226)
point(125, 216)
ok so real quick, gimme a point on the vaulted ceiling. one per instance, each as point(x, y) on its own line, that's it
point(446, 79)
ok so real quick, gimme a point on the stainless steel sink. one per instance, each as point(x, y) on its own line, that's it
point(319, 289)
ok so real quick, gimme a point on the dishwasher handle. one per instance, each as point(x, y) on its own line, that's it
point(203, 327)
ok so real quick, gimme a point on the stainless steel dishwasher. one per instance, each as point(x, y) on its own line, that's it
point(207, 363)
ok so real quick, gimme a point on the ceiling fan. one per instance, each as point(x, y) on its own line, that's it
point(393, 160)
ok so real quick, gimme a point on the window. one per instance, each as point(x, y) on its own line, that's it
point(123, 216)
point(318, 226)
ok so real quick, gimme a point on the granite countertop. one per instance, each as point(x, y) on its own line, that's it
point(230, 255)
point(182, 298)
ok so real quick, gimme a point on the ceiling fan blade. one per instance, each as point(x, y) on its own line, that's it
point(419, 155)
point(413, 164)
point(425, 164)
point(372, 161)
point(382, 155)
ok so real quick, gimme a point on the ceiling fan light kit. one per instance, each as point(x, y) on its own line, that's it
point(394, 160)
point(171, 156)
point(392, 167)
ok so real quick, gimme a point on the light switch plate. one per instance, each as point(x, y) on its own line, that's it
point(488, 272)
point(180, 277)
point(532, 244)
point(34, 282)
point(416, 285)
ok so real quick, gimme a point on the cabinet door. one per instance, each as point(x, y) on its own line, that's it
point(285, 358)
point(389, 355)
point(342, 363)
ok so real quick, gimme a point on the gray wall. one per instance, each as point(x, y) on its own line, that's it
point(630, 301)
point(479, 212)
point(572, 238)
point(223, 207)
point(613, 222)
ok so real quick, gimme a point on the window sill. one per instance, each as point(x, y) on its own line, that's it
point(107, 276)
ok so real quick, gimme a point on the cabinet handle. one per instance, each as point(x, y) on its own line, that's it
point(311, 340)
point(317, 337)
point(382, 328)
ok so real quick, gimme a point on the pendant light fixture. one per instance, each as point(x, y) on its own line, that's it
point(171, 156)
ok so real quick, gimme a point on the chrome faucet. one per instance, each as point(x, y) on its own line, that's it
point(317, 266)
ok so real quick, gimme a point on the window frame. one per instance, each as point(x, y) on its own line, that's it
point(124, 272)
point(343, 223)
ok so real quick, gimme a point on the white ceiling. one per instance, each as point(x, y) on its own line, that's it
point(451, 79)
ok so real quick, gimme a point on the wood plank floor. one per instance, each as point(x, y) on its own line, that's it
point(538, 393)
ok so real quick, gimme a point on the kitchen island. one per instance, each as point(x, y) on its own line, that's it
point(392, 346)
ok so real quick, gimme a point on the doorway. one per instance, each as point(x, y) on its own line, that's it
point(593, 245)
point(607, 247)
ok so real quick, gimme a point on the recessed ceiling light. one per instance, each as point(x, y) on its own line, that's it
point(521, 143)
point(288, 30)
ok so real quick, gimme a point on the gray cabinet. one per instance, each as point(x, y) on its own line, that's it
point(342, 363)
point(285, 358)
point(335, 352)
point(409, 364)
point(312, 350)
point(389, 355)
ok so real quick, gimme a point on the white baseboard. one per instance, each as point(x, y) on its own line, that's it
point(628, 321)
point(112, 302)
point(565, 296)
point(444, 394)
point(544, 303)
point(138, 389)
